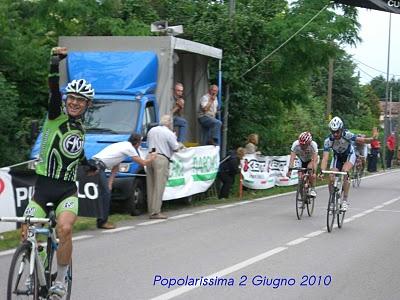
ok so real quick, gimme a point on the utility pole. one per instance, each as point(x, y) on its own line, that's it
point(329, 98)
point(227, 94)
point(386, 127)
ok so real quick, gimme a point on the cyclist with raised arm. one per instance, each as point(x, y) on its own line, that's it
point(61, 151)
point(307, 151)
point(341, 141)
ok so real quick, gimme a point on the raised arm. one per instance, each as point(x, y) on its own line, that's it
point(55, 105)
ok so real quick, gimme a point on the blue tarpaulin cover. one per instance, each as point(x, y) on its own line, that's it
point(115, 72)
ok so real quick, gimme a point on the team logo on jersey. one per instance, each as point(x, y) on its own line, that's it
point(30, 211)
point(69, 204)
point(72, 144)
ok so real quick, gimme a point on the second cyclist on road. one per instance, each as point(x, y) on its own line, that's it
point(307, 151)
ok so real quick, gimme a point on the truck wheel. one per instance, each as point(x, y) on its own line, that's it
point(136, 203)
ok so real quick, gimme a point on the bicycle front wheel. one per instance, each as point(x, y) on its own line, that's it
point(310, 206)
point(21, 284)
point(331, 212)
point(299, 201)
point(358, 178)
point(340, 215)
point(68, 281)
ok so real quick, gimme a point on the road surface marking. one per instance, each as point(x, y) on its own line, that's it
point(180, 216)
point(151, 222)
point(118, 229)
point(297, 241)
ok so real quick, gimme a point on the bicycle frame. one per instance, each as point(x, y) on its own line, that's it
point(335, 200)
point(303, 187)
point(32, 233)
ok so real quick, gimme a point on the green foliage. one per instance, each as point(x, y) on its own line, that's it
point(280, 97)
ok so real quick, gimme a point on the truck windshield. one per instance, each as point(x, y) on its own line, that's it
point(112, 116)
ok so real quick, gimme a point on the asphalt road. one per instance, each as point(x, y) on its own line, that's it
point(250, 250)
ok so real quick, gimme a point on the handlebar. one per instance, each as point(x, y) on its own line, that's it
point(26, 220)
point(334, 172)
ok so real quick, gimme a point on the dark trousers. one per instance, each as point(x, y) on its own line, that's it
point(389, 158)
point(105, 196)
point(372, 160)
point(226, 181)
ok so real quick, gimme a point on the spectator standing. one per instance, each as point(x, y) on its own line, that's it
point(110, 158)
point(227, 171)
point(373, 156)
point(210, 125)
point(163, 142)
point(251, 144)
point(391, 145)
point(180, 123)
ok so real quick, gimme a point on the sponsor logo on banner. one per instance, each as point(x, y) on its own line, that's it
point(192, 171)
point(2, 185)
point(264, 172)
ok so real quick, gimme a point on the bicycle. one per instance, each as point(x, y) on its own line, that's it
point(357, 172)
point(30, 275)
point(303, 197)
point(335, 201)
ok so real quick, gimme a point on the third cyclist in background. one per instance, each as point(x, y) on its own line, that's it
point(307, 151)
point(341, 141)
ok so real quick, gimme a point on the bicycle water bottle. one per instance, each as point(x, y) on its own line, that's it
point(42, 254)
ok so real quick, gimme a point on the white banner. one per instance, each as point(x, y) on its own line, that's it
point(264, 172)
point(7, 202)
point(192, 171)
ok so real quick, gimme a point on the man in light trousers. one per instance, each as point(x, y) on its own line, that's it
point(163, 142)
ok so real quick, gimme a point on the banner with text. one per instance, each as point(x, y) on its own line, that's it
point(192, 171)
point(264, 172)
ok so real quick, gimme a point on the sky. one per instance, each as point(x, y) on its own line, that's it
point(372, 52)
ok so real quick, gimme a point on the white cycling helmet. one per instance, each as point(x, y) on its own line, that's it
point(80, 87)
point(335, 124)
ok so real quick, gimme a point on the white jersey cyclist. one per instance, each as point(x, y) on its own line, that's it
point(342, 147)
point(361, 148)
point(305, 154)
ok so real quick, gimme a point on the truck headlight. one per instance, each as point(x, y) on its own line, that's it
point(124, 168)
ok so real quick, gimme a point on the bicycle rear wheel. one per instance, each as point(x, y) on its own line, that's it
point(22, 285)
point(310, 206)
point(300, 201)
point(331, 212)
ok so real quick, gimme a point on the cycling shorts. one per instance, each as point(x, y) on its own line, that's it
point(63, 194)
point(339, 160)
point(304, 164)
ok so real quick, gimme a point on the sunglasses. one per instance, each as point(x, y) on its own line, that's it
point(76, 98)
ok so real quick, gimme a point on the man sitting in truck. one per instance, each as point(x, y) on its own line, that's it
point(210, 125)
point(180, 123)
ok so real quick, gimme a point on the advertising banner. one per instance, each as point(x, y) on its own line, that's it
point(192, 171)
point(392, 6)
point(7, 203)
point(17, 189)
point(264, 172)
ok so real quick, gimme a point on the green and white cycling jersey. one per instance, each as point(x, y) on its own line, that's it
point(61, 148)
